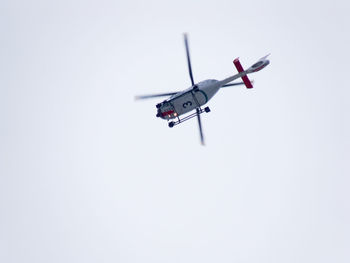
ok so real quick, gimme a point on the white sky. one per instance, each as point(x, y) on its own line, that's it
point(89, 175)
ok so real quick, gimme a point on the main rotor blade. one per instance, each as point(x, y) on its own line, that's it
point(188, 58)
point(200, 126)
point(233, 84)
point(142, 97)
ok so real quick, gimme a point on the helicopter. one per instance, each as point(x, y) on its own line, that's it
point(198, 94)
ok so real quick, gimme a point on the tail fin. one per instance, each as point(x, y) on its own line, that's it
point(245, 78)
point(263, 62)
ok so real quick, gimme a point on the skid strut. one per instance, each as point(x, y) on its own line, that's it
point(173, 123)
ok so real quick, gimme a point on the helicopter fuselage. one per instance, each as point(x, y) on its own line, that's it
point(188, 100)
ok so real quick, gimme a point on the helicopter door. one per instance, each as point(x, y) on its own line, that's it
point(187, 103)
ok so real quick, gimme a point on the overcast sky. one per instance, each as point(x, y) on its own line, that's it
point(89, 175)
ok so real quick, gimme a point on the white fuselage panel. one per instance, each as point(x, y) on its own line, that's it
point(189, 99)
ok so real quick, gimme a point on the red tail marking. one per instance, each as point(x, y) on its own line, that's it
point(245, 78)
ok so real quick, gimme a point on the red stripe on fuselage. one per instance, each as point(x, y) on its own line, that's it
point(167, 113)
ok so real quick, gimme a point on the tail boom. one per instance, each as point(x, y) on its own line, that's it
point(262, 63)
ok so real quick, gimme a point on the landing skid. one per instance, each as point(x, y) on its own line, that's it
point(173, 123)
